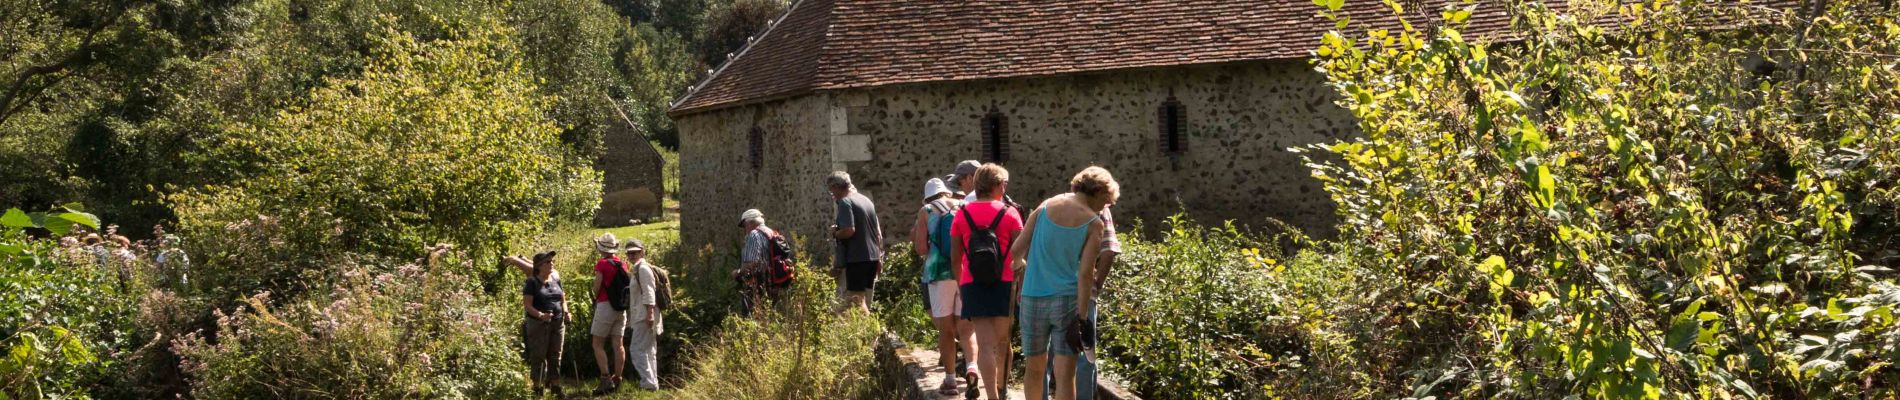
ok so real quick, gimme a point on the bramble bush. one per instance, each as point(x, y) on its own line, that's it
point(1699, 202)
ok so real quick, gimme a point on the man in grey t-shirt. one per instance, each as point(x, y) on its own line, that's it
point(860, 240)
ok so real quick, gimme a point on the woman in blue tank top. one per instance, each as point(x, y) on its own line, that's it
point(1063, 234)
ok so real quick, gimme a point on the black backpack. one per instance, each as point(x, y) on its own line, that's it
point(617, 287)
point(985, 252)
point(779, 269)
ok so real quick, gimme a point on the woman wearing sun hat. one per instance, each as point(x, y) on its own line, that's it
point(608, 322)
point(930, 236)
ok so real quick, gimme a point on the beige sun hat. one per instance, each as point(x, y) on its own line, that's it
point(606, 243)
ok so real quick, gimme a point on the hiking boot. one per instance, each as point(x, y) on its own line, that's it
point(605, 387)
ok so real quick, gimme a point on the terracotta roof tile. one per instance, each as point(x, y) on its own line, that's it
point(836, 44)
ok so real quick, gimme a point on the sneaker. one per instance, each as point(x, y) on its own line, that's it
point(973, 387)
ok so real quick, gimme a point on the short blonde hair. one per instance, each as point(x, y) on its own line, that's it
point(989, 177)
point(1095, 182)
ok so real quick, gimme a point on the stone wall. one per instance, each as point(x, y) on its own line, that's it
point(1240, 120)
point(631, 180)
point(717, 180)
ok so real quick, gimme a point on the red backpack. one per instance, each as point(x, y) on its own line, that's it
point(779, 267)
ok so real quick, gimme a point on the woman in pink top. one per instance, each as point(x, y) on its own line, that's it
point(982, 236)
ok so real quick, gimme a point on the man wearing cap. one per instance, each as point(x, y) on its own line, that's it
point(860, 240)
point(608, 322)
point(643, 318)
point(753, 257)
point(964, 176)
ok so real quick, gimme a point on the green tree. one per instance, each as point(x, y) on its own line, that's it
point(729, 25)
point(440, 140)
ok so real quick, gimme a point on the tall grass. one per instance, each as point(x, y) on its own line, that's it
point(800, 350)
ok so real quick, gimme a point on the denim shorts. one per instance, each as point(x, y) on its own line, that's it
point(1045, 323)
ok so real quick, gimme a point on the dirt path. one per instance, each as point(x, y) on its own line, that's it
point(933, 376)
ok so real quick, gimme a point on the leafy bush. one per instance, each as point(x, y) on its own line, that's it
point(899, 300)
point(441, 140)
point(63, 318)
point(1638, 212)
point(803, 351)
point(1195, 315)
point(417, 331)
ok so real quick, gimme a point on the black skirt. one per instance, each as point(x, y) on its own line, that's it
point(985, 300)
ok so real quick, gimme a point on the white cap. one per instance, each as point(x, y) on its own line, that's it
point(933, 187)
point(751, 215)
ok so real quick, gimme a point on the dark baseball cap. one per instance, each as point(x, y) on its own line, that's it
point(543, 256)
point(966, 168)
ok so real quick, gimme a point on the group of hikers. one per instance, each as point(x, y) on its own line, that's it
point(986, 260)
point(628, 296)
point(161, 255)
point(988, 265)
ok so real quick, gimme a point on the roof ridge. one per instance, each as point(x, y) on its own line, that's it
point(750, 42)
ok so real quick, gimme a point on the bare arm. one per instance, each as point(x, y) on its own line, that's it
point(520, 264)
point(920, 234)
point(600, 284)
point(1104, 262)
point(956, 257)
point(1019, 248)
point(1085, 286)
point(843, 232)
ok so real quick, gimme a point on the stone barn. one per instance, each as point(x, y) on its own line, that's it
point(631, 185)
point(1192, 104)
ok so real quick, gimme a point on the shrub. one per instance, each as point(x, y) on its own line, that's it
point(1197, 315)
point(803, 351)
point(415, 331)
point(63, 318)
point(899, 299)
point(1636, 212)
point(437, 141)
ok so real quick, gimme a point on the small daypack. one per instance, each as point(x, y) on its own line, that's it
point(985, 251)
point(779, 267)
point(940, 238)
point(662, 286)
point(618, 286)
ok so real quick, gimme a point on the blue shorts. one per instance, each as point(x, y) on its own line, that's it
point(1045, 323)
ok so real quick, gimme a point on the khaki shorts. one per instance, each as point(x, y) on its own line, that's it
point(944, 301)
point(608, 321)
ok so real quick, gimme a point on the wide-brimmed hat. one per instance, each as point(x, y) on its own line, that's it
point(934, 187)
point(606, 243)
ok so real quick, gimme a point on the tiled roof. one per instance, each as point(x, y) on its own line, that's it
point(836, 44)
